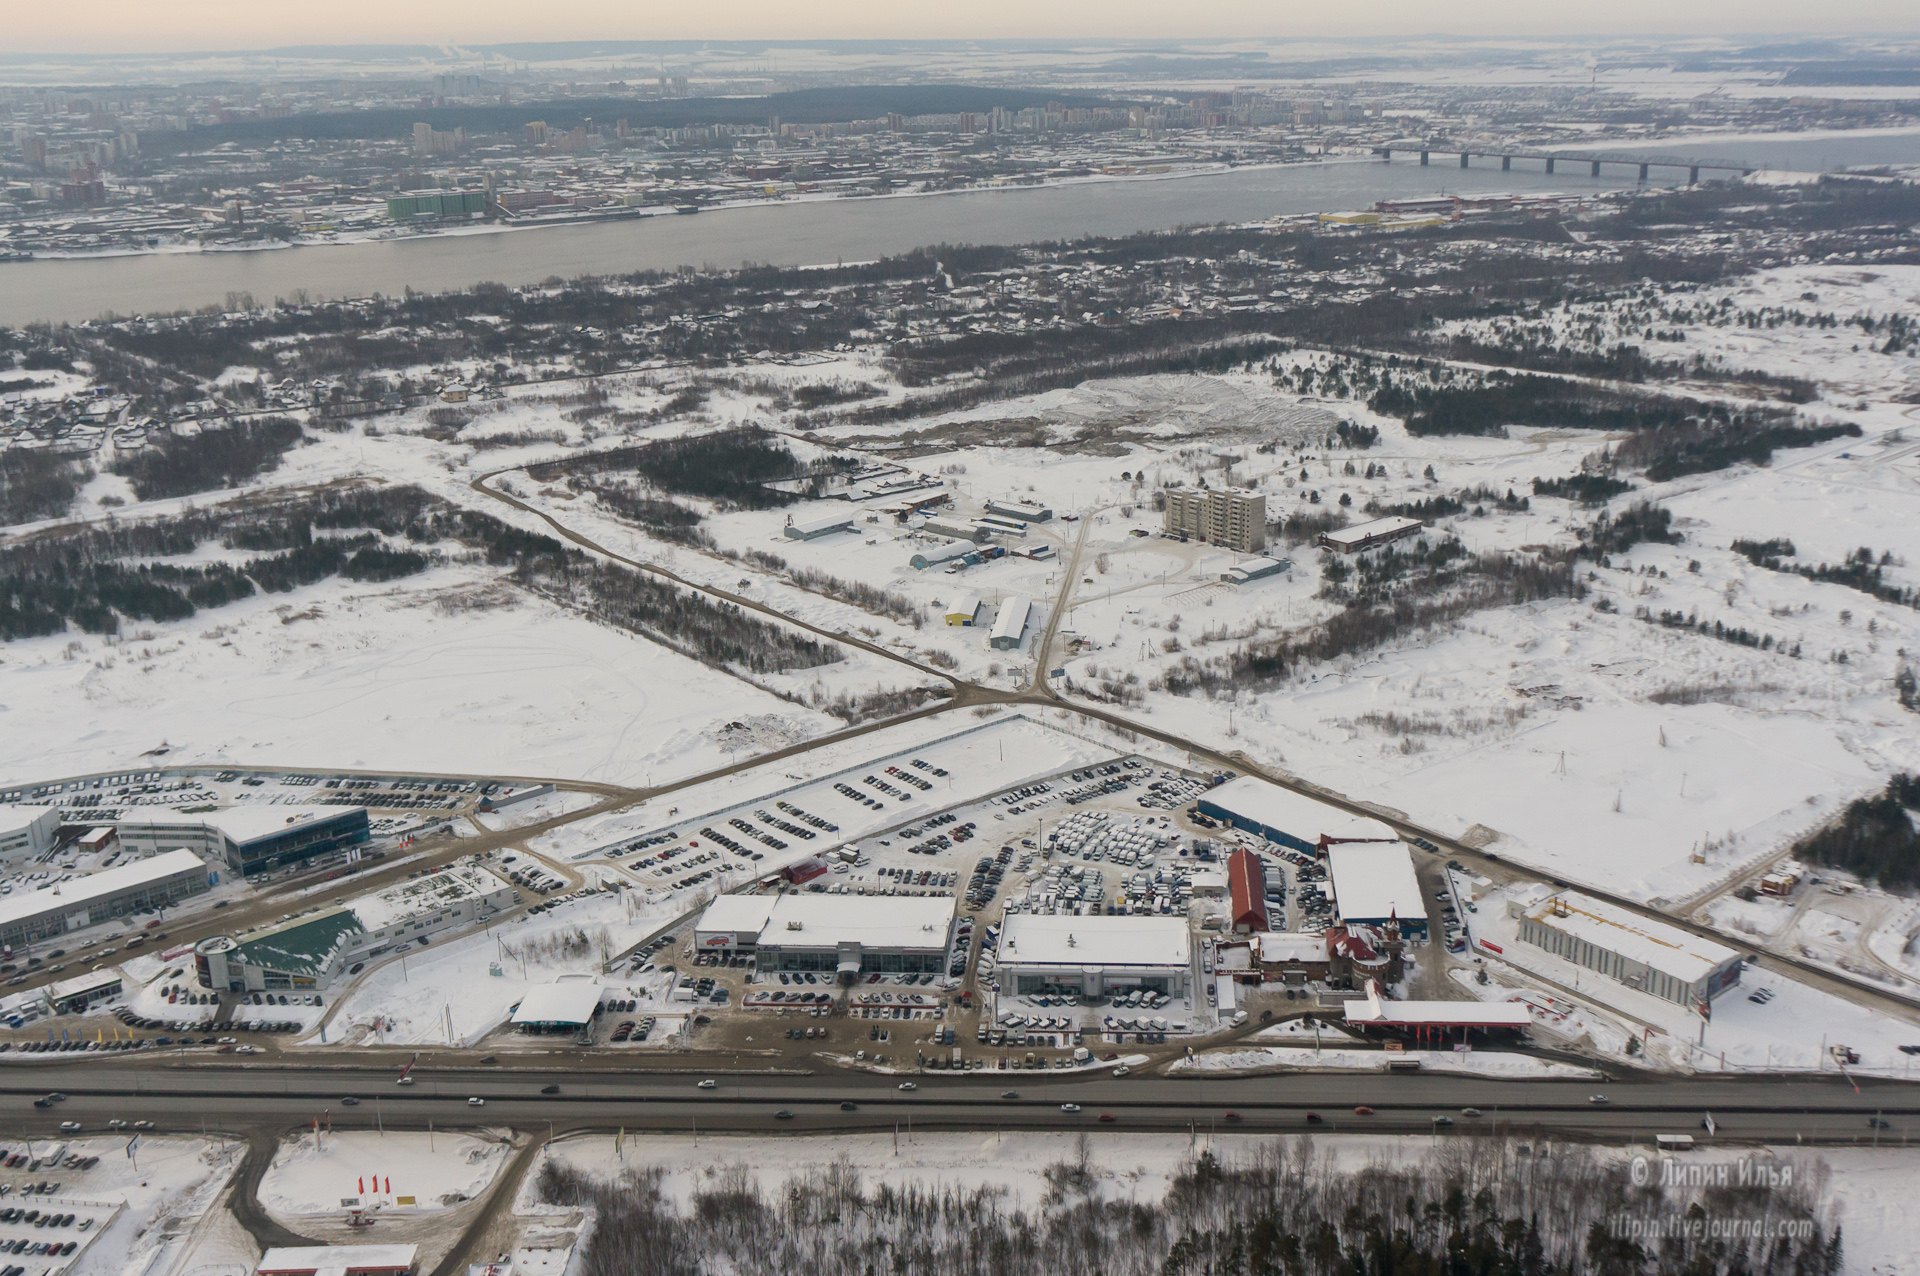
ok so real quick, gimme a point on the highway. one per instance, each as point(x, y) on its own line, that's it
point(231, 1098)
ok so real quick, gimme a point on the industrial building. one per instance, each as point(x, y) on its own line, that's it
point(1020, 510)
point(1374, 883)
point(851, 935)
point(1437, 1021)
point(1010, 625)
point(1365, 536)
point(965, 612)
point(965, 529)
point(1255, 569)
point(248, 839)
point(1247, 885)
point(1095, 956)
point(27, 832)
point(813, 529)
point(159, 881)
point(1228, 516)
point(338, 1260)
point(1285, 817)
point(311, 951)
point(945, 552)
point(1672, 964)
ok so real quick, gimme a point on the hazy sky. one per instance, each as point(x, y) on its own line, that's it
point(149, 26)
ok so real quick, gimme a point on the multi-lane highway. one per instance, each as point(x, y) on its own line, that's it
point(224, 1097)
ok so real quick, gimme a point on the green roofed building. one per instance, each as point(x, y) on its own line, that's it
point(437, 204)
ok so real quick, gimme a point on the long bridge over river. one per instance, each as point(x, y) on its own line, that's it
point(1467, 154)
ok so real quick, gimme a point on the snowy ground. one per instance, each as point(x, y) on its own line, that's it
point(439, 1171)
point(1492, 1063)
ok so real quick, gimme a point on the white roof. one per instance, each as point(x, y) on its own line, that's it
point(1493, 1014)
point(1374, 880)
point(1378, 527)
point(423, 895)
point(1291, 945)
point(968, 606)
point(71, 896)
point(567, 1001)
point(247, 823)
point(822, 524)
point(941, 553)
point(872, 921)
point(1040, 939)
point(1682, 954)
point(317, 1258)
point(1011, 621)
point(735, 915)
point(15, 818)
point(83, 983)
point(1293, 813)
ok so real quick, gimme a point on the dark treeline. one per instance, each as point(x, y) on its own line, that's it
point(180, 465)
point(1738, 635)
point(1621, 363)
point(732, 466)
point(35, 484)
point(1586, 487)
point(1874, 838)
point(1862, 570)
point(1500, 400)
point(1469, 1208)
point(81, 579)
point(1700, 447)
point(712, 632)
point(659, 517)
point(1477, 498)
point(1617, 533)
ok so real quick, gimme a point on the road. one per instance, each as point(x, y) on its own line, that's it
point(226, 1098)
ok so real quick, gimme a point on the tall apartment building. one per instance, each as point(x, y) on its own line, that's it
point(1230, 516)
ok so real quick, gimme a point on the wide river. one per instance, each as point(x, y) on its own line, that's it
point(805, 233)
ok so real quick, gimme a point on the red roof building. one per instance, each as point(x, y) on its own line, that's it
point(1247, 888)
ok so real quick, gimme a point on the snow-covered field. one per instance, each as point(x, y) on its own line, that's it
point(1490, 1063)
point(438, 1171)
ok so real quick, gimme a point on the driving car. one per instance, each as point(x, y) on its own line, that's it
point(349, 1102)
point(1363, 1110)
point(549, 1089)
point(1069, 1107)
point(705, 1085)
point(1597, 1098)
point(476, 1102)
point(908, 1085)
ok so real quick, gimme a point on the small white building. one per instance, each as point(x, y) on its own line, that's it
point(565, 1005)
point(1010, 624)
point(964, 612)
point(814, 528)
point(338, 1260)
point(1095, 956)
point(1365, 536)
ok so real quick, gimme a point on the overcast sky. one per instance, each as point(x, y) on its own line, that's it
point(150, 26)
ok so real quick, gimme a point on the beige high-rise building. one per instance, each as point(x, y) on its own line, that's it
point(1231, 516)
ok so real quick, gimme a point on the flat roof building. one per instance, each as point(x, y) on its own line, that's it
point(310, 952)
point(1283, 816)
point(1020, 510)
point(1094, 956)
point(1365, 536)
point(58, 907)
point(249, 839)
point(965, 529)
point(1670, 963)
point(1373, 883)
point(565, 1005)
point(851, 935)
point(27, 832)
point(1291, 956)
point(1437, 1020)
point(1230, 516)
point(1010, 623)
point(338, 1260)
point(1255, 569)
point(71, 996)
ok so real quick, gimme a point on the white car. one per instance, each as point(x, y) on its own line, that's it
point(1122, 1070)
point(706, 1085)
point(908, 1085)
point(476, 1102)
point(1597, 1098)
point(1069, 1107)
point(69, 1127)
point(404, 1081)
point(116, 1124)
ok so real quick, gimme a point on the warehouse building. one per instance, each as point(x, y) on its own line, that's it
point(1672, 964)
point(965, 529)
point(27, 832)
point(1247, 884)
point(1285, 817)
point(813, 529)
point(248, 839)
point(159, 881)
point(1229, 516)
point(1255, 569)
point(1374, 883)
point(946, 552)
point(310, 952)
point(965, 612)
point(1010, 625)
point(1094, 956)
point(851, 935)
point(338, 1260)
point(1020, 510)
point(1366, 536)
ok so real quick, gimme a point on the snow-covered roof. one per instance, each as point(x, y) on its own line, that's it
point(1011, 621)
point(77, 893)
point(735, 915)
point(1295, 814)
point(1374, 881)
point(1291, 945)
point(565, 1001)
point(303, 1260)
point(17, 819)
point(1363, 532)
point(246, 824)
point(807, 920)
point(1041, 939)
point(423, 895)
point(1378, 1012)
point(1668, 949)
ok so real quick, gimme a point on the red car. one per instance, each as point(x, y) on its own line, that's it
point(1107, 1117)
point(1313, 1118)
point(1233, 1116)
point(1363, 1110)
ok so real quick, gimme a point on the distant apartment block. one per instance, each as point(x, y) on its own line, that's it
point(1230, 516)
